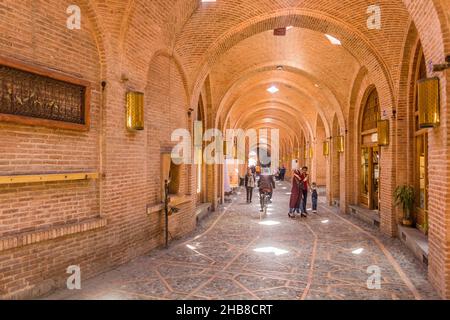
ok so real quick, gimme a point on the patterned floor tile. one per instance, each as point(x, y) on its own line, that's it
point(235, 255)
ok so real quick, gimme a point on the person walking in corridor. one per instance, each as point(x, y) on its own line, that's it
point(296, 194)
point(304, 178)
point(282, 172)
point(249, 185)
point(314, 197)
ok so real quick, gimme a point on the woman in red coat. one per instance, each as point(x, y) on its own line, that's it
point(296, 194)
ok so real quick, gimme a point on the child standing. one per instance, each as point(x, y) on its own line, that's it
point(314, 197)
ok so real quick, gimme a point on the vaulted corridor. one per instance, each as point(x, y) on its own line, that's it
point(131, 130)
point(325, 256)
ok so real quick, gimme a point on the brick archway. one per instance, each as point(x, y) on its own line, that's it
point(308, 19)
point(326, 104)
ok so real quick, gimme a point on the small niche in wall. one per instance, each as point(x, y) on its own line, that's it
point(175, 178)
point(171, 172)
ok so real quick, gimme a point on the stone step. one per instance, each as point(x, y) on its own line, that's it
point(370, 216)
point(416, 241)
point(202, 211)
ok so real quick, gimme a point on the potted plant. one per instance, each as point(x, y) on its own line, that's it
point(404, 195)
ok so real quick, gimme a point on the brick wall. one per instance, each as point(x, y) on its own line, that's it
point(130, 162)
point(173, 51)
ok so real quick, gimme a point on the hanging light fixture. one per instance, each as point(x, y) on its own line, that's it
point(135, 111)
point(429, 102)
point(340, 144)
point(383, 132)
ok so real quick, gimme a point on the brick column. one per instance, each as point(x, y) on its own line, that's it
point(439, 198)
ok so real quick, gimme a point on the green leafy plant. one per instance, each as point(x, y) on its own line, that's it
point(404, 196)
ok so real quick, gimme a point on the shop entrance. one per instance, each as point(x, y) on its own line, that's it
point(370, 154)
point(370, 177)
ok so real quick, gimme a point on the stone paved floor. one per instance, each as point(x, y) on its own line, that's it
point(235, 255)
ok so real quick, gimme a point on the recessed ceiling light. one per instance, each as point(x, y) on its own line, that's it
point(316, 85)
point(206, 1)
point(333, 40)
point(273, 89)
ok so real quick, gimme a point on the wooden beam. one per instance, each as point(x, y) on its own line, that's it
point(48, 177)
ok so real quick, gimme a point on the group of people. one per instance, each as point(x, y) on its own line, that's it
point(299, 191)
point(280, 173)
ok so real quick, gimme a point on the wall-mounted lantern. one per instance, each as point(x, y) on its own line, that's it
point(383, 132)
point(230, 148)
point(340, 144)
point(198, 134)
point(135, 111)
point(429, 103)
point(326, 148)
point(311, 152)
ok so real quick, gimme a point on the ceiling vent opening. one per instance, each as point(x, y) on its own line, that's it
point(279, 31)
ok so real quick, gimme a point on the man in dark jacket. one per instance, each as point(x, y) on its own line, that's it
point(282, 172)
point(266, 184)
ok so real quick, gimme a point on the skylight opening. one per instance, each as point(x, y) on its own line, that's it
point(269, 223)
point(273, 89)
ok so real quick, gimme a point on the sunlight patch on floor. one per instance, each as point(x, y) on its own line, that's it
point(276, 251)
point(269, 223)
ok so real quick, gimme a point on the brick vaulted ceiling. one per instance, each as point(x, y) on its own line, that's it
point(232, 41)
point(315, 80)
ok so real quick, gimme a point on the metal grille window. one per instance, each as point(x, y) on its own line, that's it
point(37, 96)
